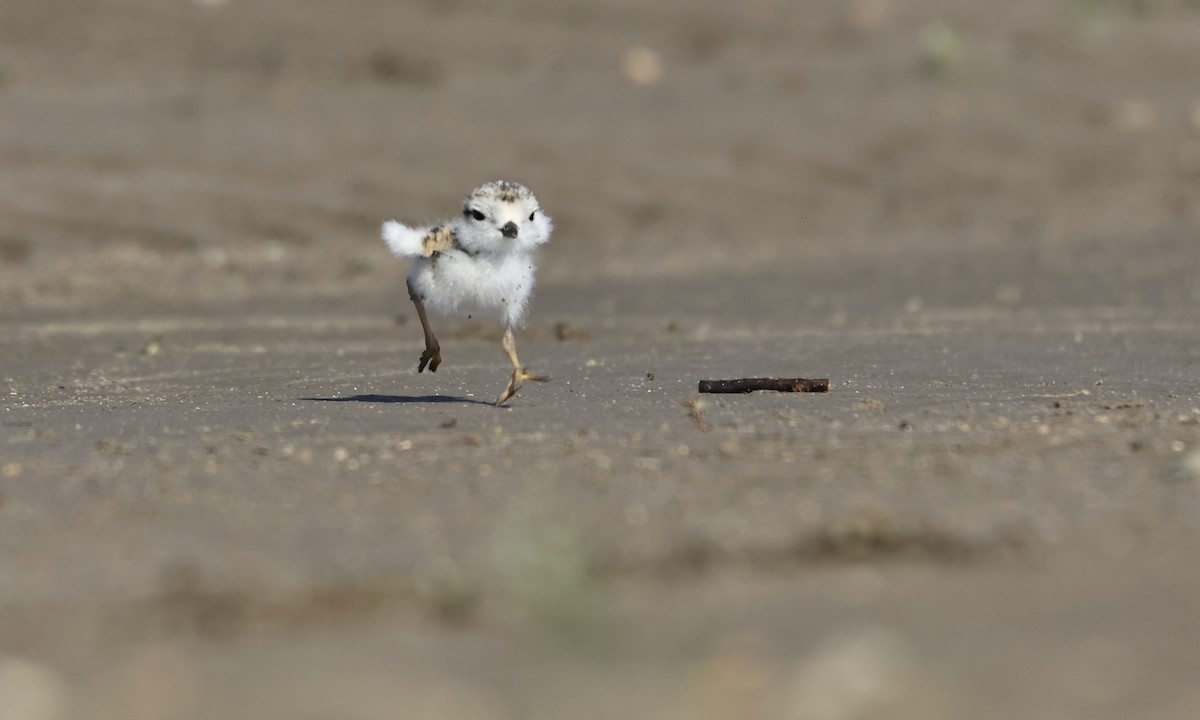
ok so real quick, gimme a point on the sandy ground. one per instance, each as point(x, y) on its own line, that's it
point(225, 492)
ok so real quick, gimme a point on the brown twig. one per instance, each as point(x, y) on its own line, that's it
point(745, 385)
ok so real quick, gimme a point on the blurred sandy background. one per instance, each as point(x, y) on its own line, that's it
point(226, 493)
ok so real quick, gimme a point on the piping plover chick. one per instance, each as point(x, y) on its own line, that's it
point(481, 261)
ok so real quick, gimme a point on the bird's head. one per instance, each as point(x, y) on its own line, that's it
point(501, 217)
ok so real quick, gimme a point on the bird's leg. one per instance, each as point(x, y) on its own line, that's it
point(520, 374)
point(433, 352)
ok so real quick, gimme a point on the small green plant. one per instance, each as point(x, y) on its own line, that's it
point(941, 49)
point(550, 583)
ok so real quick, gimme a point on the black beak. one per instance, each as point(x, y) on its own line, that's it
point(509, 230)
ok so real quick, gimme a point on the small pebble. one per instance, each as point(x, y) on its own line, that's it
point(867, 672)
point(642, 66)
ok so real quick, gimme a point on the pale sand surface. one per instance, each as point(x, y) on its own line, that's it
point(225, 492)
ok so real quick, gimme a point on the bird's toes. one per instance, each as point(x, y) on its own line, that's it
point(431, 358)
point(527, 374)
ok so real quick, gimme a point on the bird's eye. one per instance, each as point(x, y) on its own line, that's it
point(478, 215)
point(531, 215)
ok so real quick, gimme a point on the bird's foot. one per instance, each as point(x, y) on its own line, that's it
point(519, 376)
point(431, 357)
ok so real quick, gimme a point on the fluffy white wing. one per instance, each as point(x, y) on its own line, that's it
point(402, 240)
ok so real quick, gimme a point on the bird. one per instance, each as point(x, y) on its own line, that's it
point(482, 261)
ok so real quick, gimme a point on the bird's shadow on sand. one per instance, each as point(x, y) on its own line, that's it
point(401, 399)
